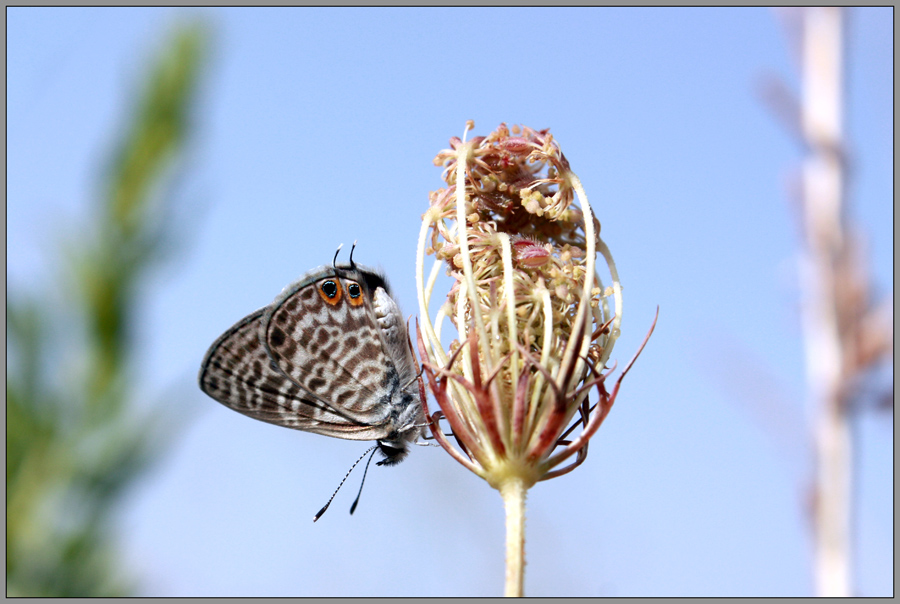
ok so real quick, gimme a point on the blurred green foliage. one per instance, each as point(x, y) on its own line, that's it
point(74, 442)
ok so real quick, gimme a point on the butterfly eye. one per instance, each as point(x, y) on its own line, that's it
point(331, 291)
point(355, 292)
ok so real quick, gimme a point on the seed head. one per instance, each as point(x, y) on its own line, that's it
point(534, 322)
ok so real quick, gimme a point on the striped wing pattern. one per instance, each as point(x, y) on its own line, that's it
point(334, 352)
point(328, 374)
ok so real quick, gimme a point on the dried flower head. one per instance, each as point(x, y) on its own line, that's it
point(534, 321)
point(533, 316)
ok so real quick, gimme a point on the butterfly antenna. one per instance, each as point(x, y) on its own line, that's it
point(322, 511)
point(351, 255)
point(338, 251)
point(366, 471)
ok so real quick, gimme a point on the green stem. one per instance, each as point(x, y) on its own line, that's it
point(513, 492)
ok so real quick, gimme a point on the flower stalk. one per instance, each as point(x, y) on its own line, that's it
point(535, 325)
point(513, 493)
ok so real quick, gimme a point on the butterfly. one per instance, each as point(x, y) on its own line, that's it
point(331, 355)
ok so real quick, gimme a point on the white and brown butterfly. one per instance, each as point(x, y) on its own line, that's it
point(330, 355)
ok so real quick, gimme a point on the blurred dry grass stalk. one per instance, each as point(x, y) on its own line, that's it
point(846, 333)
point(74, 444)
point(535, 324)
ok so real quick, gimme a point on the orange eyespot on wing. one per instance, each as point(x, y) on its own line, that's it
point(355, 293)
point(330, 290)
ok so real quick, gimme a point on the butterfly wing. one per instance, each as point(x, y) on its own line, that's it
point(238, 373)
point(332, 346)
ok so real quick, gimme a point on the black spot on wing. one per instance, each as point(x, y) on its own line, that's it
point(276, 336)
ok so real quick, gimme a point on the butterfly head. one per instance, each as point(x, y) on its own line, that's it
point(368, 278)
point(392, 455)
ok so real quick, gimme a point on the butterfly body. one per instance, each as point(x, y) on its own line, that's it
point(330, 355)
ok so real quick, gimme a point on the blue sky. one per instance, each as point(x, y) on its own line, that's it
point(316, 127)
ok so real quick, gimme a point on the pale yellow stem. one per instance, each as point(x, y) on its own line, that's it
point(431, 340)
point(617, 296)
point(513, 491)
point(577, 349)
point(509, 286)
